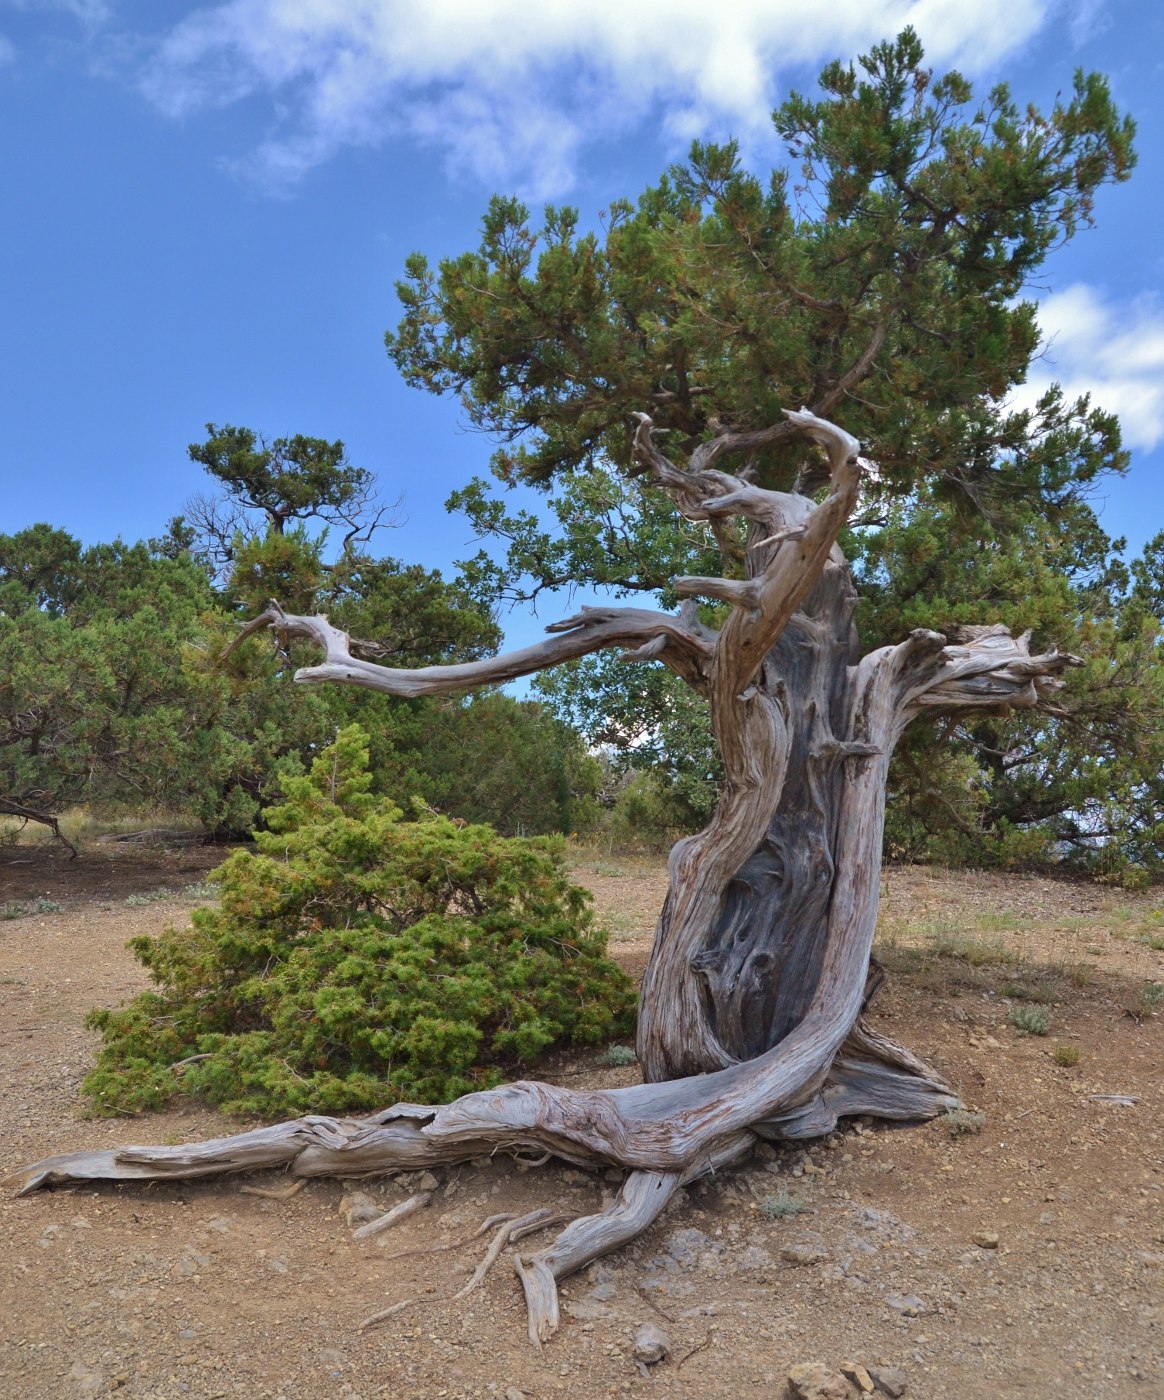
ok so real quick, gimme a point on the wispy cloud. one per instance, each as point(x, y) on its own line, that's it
point(513, 91)
point(89, 12)
point(1113, 351)
point(1087, 19)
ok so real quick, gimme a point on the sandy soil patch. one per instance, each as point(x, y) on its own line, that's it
point(196, 1289)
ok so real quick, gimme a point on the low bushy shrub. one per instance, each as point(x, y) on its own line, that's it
point(355, 958)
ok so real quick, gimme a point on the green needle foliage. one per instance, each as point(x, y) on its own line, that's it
point(883, 275)
point(356, 958)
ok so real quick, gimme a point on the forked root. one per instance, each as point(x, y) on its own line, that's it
point(643, 1198)
point(511, 1230)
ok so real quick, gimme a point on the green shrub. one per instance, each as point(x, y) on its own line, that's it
point(355, 958)
point(1066, 1055)
point(646, 815)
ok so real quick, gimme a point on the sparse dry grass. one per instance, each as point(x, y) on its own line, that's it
point(82, 826)
point(780, 1206)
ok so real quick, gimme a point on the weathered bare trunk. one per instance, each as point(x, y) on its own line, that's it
point(742, 957)
point(750, 1015)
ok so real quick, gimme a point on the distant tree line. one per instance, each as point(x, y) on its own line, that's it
point(113, 693)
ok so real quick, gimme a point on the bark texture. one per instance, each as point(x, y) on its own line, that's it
point(750, 1022)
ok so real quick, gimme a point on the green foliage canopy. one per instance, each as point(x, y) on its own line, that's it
point(879, 278)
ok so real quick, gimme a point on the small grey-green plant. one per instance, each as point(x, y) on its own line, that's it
point(1028, 991)
point(608, 870)
point(1066, 1055)
point(964, 1122)
point(618, 1055)
point(150, 897)
point(1151, 995)
point(1030, 1020)
point(780, 1205)
point(22, 908)
point(201, 889)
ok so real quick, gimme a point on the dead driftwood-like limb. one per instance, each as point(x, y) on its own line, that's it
point(394, 1216)
point(750, 1019)
point(385, 1313)
point(25, 814)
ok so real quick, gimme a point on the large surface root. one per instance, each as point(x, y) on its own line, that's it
point(667, 1134)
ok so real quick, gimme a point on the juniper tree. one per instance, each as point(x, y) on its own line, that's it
point(883, 291)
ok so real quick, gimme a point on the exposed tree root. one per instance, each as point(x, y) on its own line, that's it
point(482, 1229)
point(385, 1313)
point(511, 1230)
point(694, 1127)
point(275, 1193)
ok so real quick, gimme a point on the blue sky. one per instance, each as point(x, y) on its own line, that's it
point(205, 207)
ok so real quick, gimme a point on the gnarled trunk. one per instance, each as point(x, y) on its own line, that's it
point(739, 958)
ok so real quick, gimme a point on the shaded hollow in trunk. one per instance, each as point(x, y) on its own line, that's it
point(763, 957)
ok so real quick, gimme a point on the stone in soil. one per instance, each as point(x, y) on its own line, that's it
point(890, 1380)
point(357, 1208)
point(908, 1304)
point(805, 1249)
point(858, 1375)
point(652, 1344)
point(812, 1380)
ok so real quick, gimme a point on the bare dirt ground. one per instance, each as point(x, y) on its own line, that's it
point(196, 1289)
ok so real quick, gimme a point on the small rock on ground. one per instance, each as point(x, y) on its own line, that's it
point(890, 1380)
point(858, 1375)
point(812, 1380)
point(908, 1304)
point(357, 1208)
point(652, 1344)
point(805, 1249)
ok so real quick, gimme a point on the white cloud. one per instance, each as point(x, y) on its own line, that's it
point(1113, 351)
point(513, 90)
point(7, 50)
